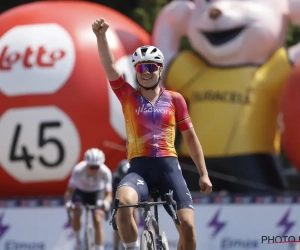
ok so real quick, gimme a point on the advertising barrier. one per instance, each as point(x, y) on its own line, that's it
point(221, 223)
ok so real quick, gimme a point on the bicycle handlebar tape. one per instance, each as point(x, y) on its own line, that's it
point(115, 204)
point(114, 224)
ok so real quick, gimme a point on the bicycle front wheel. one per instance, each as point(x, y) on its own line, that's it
point(88, 239)
point(147, 242)
point(164, 240)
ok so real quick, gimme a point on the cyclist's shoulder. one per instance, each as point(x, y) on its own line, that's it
point(80, 166)
point(105, 169)
point(173, 94)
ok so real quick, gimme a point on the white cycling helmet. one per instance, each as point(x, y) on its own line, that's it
point(147, 53)
point(94, 157)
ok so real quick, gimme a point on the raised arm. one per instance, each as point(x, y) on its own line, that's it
point(100, 26)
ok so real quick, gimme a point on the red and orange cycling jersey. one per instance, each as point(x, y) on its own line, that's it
point(150, 128)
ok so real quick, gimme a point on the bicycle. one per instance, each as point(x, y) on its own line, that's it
point(88, 229)
point(152, 238)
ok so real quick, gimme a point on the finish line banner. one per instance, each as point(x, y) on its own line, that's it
point(41, 224)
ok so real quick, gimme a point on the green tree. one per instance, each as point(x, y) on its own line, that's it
point(146, 12)
point(293, 35)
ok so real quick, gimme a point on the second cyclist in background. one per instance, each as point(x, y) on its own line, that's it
point(90, 183)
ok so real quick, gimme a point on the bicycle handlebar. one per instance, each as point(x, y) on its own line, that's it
point(88, 207)
point(168, 200)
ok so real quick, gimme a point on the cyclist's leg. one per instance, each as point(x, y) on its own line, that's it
point(98, 219)
point(132, 188)
point(137, 219)
point(77, 199)
point(115, 236)
point(187, 239)
point(172, 179)
point(116, 240)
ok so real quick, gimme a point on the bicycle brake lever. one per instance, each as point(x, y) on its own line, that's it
point(173, 206)
point(169, 200)
point(113, 213)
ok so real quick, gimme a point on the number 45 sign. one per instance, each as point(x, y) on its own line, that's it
point(38, 144)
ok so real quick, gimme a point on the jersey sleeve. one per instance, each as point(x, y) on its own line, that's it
point(121, 88)
point(182, 116)
point(72, 180)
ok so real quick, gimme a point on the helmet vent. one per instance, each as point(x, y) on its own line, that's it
point(144, 51)
point(153, 51)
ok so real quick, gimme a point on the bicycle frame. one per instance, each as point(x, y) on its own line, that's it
point(150, 220)
point(152, 225)
point(88, 227)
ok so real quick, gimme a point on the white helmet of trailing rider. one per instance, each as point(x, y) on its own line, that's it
point(94, 157)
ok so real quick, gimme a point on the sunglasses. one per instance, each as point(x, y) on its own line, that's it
point(151, 67)
point(94, 167)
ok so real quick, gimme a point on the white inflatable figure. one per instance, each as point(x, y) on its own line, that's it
point(232, 81)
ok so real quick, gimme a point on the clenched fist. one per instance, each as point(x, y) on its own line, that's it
point(205, 184)
point(100, 26)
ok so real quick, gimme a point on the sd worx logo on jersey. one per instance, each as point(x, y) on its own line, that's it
point(151, 109)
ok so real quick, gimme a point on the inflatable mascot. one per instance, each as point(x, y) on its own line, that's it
point(232, 80)
point(55, 99)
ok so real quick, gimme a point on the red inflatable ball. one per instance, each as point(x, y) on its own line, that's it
point(55, 99)
point(289, 118)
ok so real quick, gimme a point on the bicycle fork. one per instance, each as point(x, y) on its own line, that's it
point(88, 232)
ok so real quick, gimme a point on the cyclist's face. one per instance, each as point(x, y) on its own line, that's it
point(93, 170)
point(148, 73)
